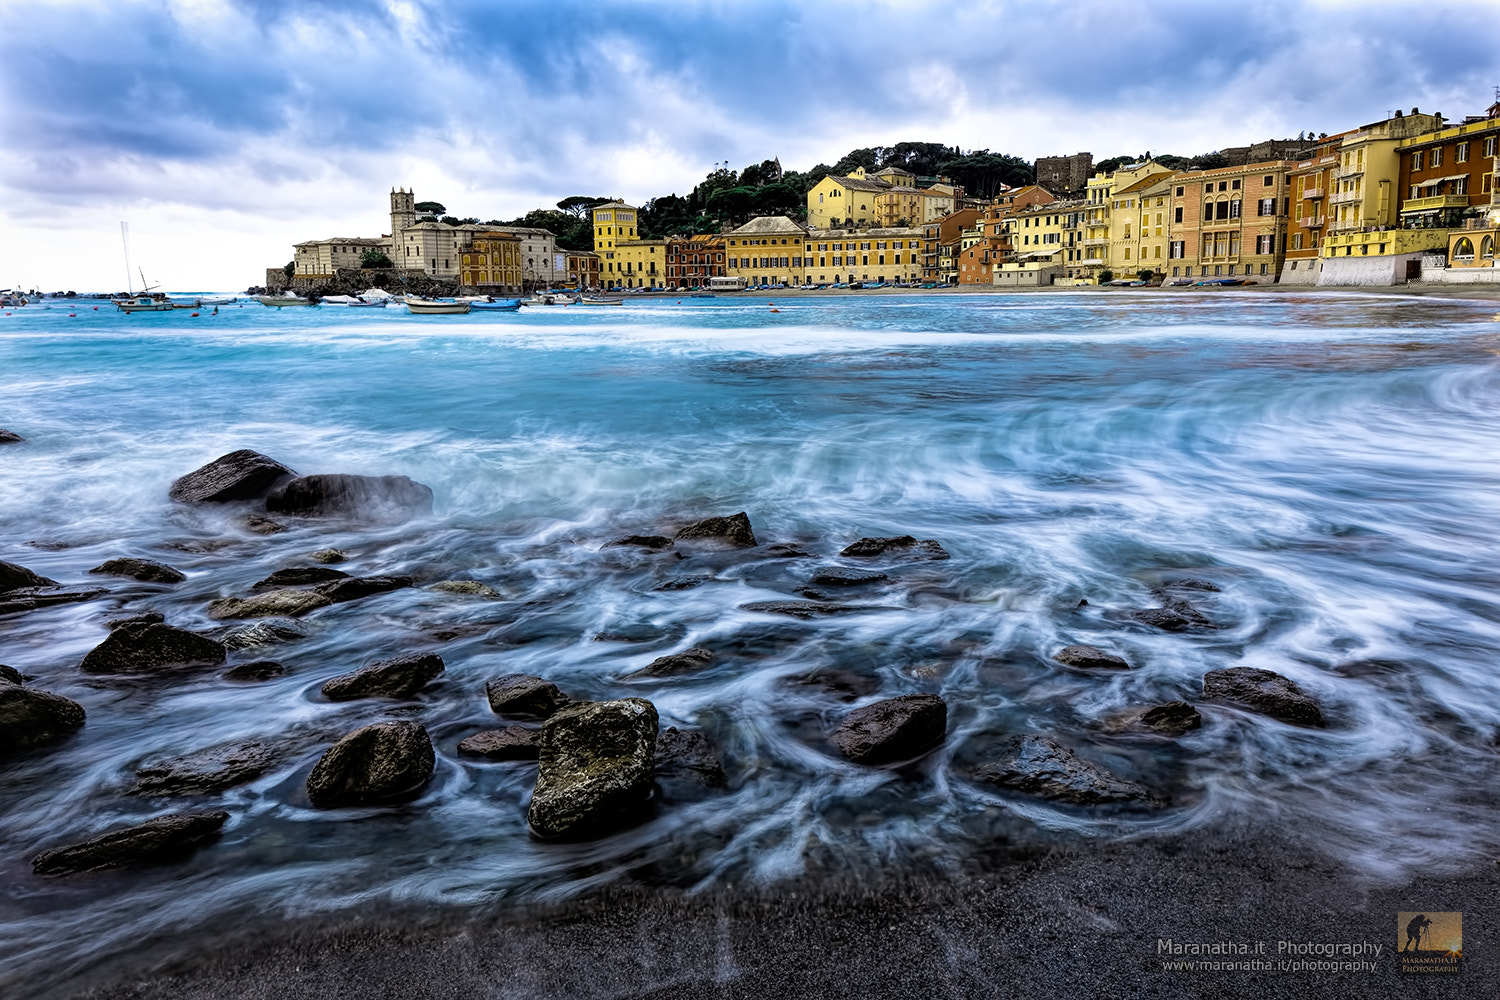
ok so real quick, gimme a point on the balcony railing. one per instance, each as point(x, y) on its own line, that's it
point(1094, 241)
point(1344, 197)
point(1313, 192)
point(1438, 201)
point(1314, 222)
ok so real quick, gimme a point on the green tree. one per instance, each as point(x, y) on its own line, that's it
point(430, 208)
point(579, 205)
point(290, 269)
point(374, 258)
point(983, 174)
point(1105, 277)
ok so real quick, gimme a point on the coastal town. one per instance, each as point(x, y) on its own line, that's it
point(1412, 197)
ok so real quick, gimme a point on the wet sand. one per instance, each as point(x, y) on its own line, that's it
point(1077, 920)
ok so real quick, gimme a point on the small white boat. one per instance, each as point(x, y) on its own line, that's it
point(145, 303)
point(586, 301)
point(434, 307)
point(281, 301)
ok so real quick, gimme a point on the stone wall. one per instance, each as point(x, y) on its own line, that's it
point(1301, 271)
point(1378, 270)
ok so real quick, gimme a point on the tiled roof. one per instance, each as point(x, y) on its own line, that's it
point(765, 225)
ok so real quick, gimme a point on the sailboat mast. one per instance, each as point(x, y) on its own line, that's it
point(125, 238)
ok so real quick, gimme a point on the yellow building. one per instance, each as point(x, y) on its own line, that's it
point(1364, 190)
point(614, 221)
point(1145, 238)
point(848, 200)
point(492, 263)
point(887, 254)
point(768, 250)
point(1112, 213)
point(638, 264)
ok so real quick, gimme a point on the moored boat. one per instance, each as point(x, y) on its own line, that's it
point(434, 307)
point(587, 301)
point(489, 302)
point(281, 301)
point(145, 302)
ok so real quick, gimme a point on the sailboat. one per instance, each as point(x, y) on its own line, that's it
point(146, 300)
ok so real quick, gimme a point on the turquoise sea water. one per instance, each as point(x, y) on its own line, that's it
point(1329, 461)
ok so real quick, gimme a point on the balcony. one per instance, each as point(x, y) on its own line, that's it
point(1094, 241)
point(1435, 203)
point(1313, 222)
point(1344, 197)
point(1313, 192)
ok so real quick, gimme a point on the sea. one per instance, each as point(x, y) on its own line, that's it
point(1327, 462)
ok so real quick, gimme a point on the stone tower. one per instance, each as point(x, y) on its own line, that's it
point(403, 213)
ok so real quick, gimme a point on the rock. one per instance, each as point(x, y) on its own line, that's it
point(642, 541)
point(1266, 692)
point(144, 648)
point(844, 685)
point(1193, 583)
point(524, 695)
point(687, 763)
point(265, 633)
point(805, 609)
point(384, 762)
point(399, 677)
point(596, 768)
point(683, 582)
point(1089, 658)
point(781, 550)
point(144, 618)
point(471, 588)
point(734, 529)
point(162, 839)
point(260, 525)
point(274, 604)
point(239, 475)
point(255, 670)
point(326, 556)
point(30, 718)
point(372, 499)
point(835, 577)
point(1038, 766)
point(10, 437)
point(13, 577)
point(686, 662)
point(906, 545)
point(145, 570)
point(32, 598)
point(11, 674)
point(1173, 718)
point(298, 576)
point(895, 729)
point(355, 587)
point(510, 743)
point(1174, 615)
point(211, 770)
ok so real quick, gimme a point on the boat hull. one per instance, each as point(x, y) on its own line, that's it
point(438, 308)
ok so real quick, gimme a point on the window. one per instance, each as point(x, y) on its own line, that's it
point(1179, 190)
point(1267, 206)
point(1221, 210)
point(1461, 186)
point(1234, 185)
point(1490, 145)
point(1461, 154)
point(1437, 157)
point(1234, 209)
point(1416, 161)
point(1177, 250)
point(1223, 185)
point(1270, 181)
point(1177, 213)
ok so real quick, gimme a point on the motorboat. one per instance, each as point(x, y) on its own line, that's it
point(489, 302)
point(281, 301)
point(145, 302)
point(436, 307)
point(587, 301)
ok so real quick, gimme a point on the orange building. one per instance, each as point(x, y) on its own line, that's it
point(492, 263)
point(692, 260)
point(1230, 222)
point(1311, 182)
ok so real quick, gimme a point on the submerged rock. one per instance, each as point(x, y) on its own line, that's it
point(687, 763)
point(1175, 615)
point(260, 525)
point(471, 588)
point(210, 770)
point(399, 677)
point(1039, 766)
point(510, 743)
point(355, 587)
point(642, 541)
point(13, 577)
point(905, 545)
point(145, 648)
point(239, 475)
point(835, 577)
point(32, 598)
point(1089, 658)
point(373, 499)
point(686, 662)
point(595, 770)
point(326, 556)
point(298, 576)
point(274, 604)
point(1266, 692)
point(892, 730)
point(10, 437)
point(806, 609)
point(144, 618)
point(1173, 718)
point(734, 529)
point(162, 839)
point(384, 762)
point(145, 570)
point(31, 718)
point(524, 695)
point(844, 685)
point(254, 671)
point(265, 633)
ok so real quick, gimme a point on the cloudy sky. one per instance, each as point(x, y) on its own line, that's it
point(224, 131)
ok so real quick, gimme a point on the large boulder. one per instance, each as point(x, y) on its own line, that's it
point(13, 577)
point(384, 762)
point(524, 695)
point(1040, 766)
point(144, 570)
point(211, 770)
point(895, 729)
point(272, 604)
point(399, 677)
point(239, 475)
point(902, 545)
point(355, 587)
point(162, 839)
point(1266, 692)
point(30, 718)
point(146, 648)
point(688, 661)
point(372, 499)
point(596, 768)
point(734, 529)
point(510, 743)
point(1089, 658)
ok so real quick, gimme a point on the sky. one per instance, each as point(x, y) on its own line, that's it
point(224, 131)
